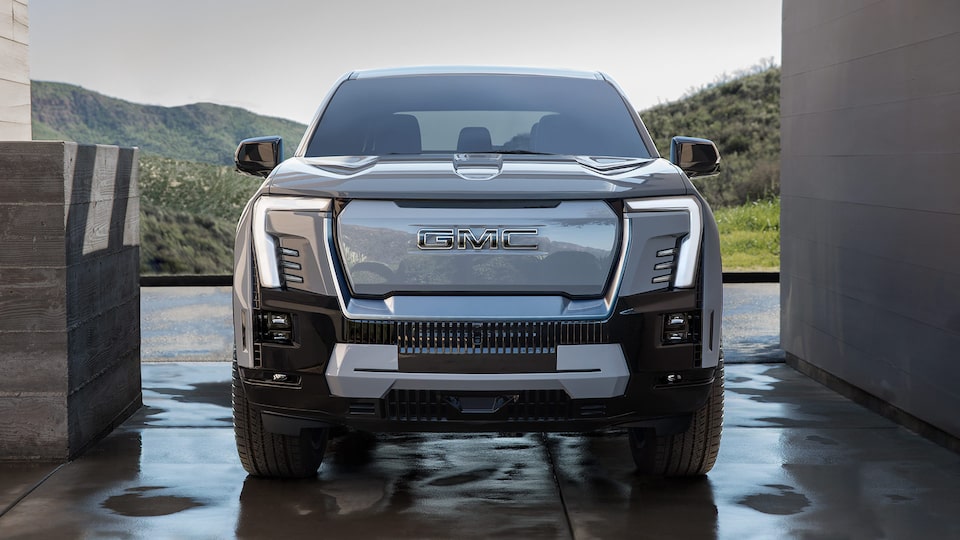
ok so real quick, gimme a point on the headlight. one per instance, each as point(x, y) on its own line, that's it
point(264, 243)
point(686, 262)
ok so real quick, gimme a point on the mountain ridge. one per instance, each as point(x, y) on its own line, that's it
point(201, 132)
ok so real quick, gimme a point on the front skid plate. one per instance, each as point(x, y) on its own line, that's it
point(583, 372)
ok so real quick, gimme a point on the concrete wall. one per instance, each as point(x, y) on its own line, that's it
point(69, 296)
point(870, 268)
point(14, 72)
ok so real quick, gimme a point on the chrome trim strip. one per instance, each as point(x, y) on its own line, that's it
point(428, 247)
point(610, 300)
point(686, 273)
point(583, 372)
point(265, 244)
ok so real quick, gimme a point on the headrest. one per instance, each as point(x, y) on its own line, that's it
point(474, 139)
point(398, 134)
point(556, 134)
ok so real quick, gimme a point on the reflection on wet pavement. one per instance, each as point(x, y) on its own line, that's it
point(797, 461)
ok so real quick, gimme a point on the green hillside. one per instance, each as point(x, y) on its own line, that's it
point(188, 215)
point(190, 205)
point(201, 132)
point(742, 116)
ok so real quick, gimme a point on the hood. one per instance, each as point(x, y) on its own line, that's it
point(477, 176)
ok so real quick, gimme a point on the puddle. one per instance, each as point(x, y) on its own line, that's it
point(458, 479)
point(784, 503)
point(137, 502)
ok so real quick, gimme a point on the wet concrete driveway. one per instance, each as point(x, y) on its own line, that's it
point(797, 461)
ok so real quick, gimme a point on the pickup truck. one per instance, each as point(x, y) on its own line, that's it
point(477, 249)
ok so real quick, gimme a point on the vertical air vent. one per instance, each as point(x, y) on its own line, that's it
point(291, 267)
point(665, 264)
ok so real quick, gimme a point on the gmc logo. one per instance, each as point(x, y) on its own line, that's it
point(457, 238)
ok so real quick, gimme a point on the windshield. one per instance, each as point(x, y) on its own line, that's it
point(444, 114)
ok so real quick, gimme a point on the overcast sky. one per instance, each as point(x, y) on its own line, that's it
point(280, 57)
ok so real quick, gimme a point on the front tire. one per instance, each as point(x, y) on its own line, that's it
point(268, 454)
point(690, 453)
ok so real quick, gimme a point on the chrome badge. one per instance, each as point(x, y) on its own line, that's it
point(465, 238)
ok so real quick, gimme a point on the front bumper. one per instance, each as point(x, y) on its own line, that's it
point(551, 376)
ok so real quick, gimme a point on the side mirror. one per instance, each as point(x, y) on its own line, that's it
point(259, 156)
point(697, 157)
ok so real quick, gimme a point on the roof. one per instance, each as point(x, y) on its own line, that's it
point(472, 70)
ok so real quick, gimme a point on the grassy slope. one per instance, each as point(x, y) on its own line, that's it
point(750, 236)
point(742, 117)
point(189, 215)
point(201, 132)
point(189, 205)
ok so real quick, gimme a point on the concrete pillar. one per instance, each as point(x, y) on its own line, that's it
point(14, 72)
point(69, 296)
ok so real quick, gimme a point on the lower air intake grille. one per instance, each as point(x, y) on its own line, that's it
point(529, 406)
point(435, 337)
point(476, 338)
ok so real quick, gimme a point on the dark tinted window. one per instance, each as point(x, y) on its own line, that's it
point(476, 113)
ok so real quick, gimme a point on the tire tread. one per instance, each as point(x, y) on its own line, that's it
point(690, 453)
point(269, 454)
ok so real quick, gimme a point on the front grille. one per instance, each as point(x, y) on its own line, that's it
point(476, 338)
point(370, 332)
point(436, 337)
point(529, 406)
